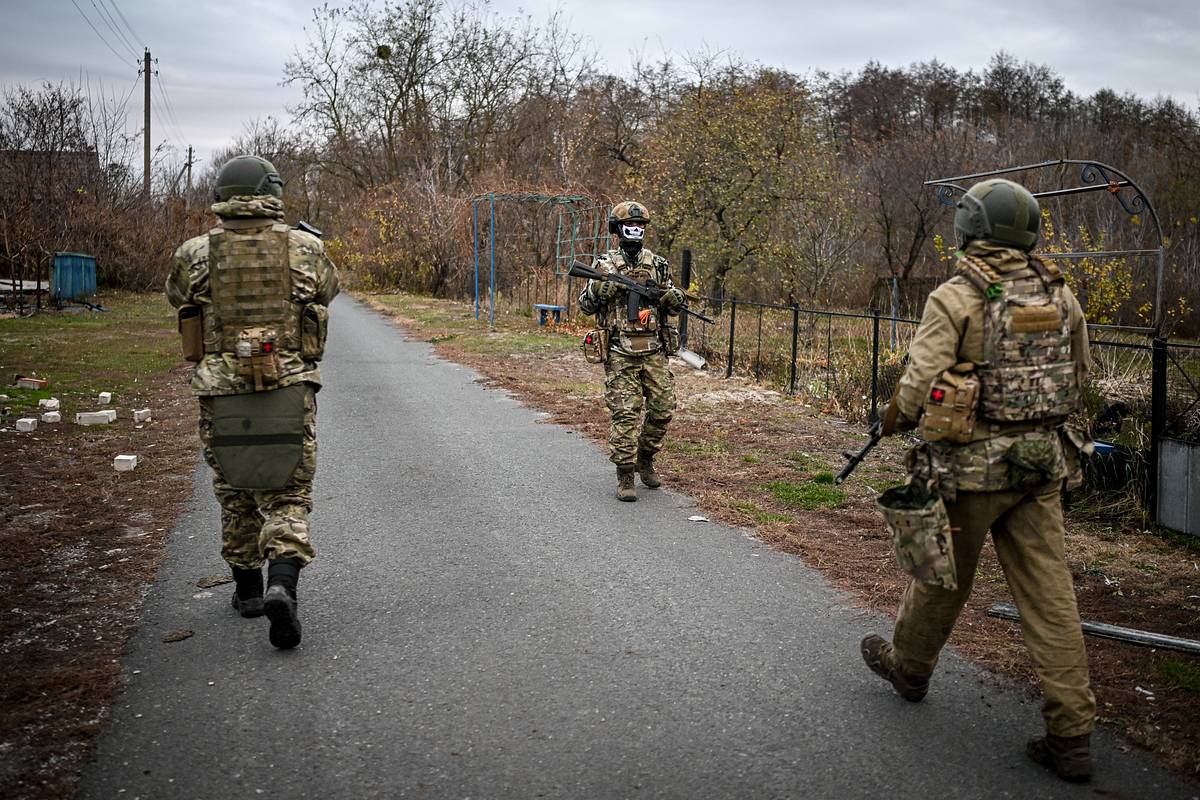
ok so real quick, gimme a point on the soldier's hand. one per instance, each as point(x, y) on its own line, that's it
point(607, 290)
point(672, 299)
point(894, 421)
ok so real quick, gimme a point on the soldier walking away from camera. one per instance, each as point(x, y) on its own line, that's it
point(994, 371)
point(634, 337)
point(252, 297)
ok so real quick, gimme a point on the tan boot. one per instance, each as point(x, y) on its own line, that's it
point(645, 470)
point(1069, 756)
point(877, 652)
point(625, 489)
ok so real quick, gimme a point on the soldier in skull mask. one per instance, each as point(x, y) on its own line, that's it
point(639, 336)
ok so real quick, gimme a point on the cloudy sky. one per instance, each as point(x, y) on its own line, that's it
point(220, 62)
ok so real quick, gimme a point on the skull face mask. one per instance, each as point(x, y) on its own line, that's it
point(633, 233)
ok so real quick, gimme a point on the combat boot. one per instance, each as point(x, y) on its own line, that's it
point(248, 592)
point(625, 488)
point(279, 604)
point(645, 470)
point(877, 652)
point(1069, 756)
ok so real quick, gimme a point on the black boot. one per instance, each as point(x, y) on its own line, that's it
point(248, 593)
point(1069, 756)
point(279, 604)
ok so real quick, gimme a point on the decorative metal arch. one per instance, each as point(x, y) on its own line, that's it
point(1093, 177)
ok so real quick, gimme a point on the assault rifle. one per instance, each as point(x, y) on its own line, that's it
point(650, 291)
point(854, 459)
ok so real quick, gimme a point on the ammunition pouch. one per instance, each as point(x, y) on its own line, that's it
point(1031, 463)
point(669, 335)
point(191, 329)
point(258, 439)
point(639, 342)
point(1076, 444)
point(595, 346)
point(951, 406)
point(314, 327)
point(921, 534)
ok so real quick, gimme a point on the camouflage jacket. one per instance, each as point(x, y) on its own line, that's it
point(313, 276)
point(951, 332)
point(611, 314)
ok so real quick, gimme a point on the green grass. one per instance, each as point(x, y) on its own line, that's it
point(84, 353)
point(808, 496)
point(712, 447)
point(805, 462)
point(760, 516)
point(1181, 674)
point(823, 477)
point(751, 458)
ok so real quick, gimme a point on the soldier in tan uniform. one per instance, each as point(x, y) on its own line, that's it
point(252, 297)
point(1008, 339)
point(639, 337)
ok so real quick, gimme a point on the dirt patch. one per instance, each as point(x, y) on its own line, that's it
point(732, 445)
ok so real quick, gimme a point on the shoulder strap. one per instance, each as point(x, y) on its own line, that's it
point(981, 275)
point(1049, 273)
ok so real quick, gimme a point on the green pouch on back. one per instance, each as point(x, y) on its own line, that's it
point(258, 438)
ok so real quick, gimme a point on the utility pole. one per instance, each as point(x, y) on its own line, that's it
point(146, 128)
point(189, 169)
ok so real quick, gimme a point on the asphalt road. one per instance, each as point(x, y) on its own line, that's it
point(485, 620)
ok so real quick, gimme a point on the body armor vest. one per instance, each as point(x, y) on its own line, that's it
point(250, 283)
point(1028, 372)
point(629, 313)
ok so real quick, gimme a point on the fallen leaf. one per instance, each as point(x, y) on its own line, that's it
point(213, 580)
point(177, 635)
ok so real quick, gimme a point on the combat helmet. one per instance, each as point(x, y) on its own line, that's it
point(247, 175)
point(625, 213)
point(999, 211)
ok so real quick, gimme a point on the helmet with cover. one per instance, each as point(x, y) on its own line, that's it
point(1001, 211)
point(628, 220)
point(247, 175)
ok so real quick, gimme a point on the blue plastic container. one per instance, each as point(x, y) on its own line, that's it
point(74, 276)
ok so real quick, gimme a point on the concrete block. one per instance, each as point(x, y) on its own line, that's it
point(52, 416)
point(26, 382)
point(105, 398)
point(50, 404)
point(141, 415)
point(95, 417)
point(27, 424)
point(124, 463)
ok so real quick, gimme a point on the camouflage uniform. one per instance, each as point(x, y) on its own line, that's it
point(636, 366)
point(272, 523)
point(984, 491)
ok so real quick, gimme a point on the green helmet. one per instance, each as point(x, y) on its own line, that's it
point(999, 211)
point(247, 175)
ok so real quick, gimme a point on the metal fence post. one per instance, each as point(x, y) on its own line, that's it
point(732, 322)
point(685, 278)
point(758, 347)
point(1158, 419)
point(795, 345)
point(875, 363)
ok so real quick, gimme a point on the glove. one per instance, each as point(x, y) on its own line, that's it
point(672, 300)
point(607, 290)
point(894, 421)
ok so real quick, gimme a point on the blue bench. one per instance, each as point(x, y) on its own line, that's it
point(545, 310)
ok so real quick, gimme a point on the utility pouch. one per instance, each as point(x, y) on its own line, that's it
point(951, 406)
point(314, 327)
point(1031, 462)
point(595, 346)
point(191, 328)
point(258, 360)
point(639, 343)
point(1076, 445)
point(921, 534)
point(258, 439)
point(670, 339)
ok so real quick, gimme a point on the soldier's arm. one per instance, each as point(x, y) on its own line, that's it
point(179, 281)
point(327, 280)
point(1081, 350)
point(588, 302)
point(934, 350)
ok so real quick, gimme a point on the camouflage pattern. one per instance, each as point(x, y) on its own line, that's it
point(629, 379)
point(1027, 531)
point(920, 534)
point(312, 276)
point(270, 523)
point(631, 338)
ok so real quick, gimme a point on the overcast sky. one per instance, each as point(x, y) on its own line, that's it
point(221, 62)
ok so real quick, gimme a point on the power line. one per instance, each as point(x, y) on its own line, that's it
point(95, 31)
point(128, 27)
point(170, 104)
point(108, 21)
point(174, 129)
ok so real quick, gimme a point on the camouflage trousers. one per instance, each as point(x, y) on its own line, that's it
point(1027, 529)
point(267, 523)
point(629, 380)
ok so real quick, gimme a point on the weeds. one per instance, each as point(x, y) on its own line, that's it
point(808, 496)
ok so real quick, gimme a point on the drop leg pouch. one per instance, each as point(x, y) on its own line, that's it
point(258, 439)
point(921, 534)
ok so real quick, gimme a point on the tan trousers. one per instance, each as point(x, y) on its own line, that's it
point(1027, 528)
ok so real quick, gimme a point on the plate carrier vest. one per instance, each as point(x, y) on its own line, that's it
point(250, 283)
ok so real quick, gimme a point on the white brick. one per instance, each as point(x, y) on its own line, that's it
point(105, 398)
point(141, 415)
point(95, 417)
point(52, 416)
point(48, 405)
point(124, 463)
point(27, 424)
